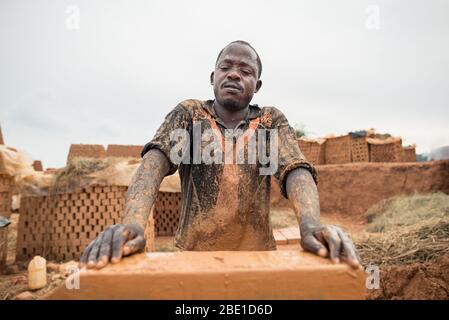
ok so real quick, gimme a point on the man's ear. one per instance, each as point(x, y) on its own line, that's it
point(258, 85)
point(212, 78)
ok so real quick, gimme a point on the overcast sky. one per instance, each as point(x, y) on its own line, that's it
point(108, 71)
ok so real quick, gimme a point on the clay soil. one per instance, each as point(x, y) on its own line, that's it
point(418, 281)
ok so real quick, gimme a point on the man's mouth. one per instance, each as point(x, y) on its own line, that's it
point(232, 87)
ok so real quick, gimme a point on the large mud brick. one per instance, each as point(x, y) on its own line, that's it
point(219, 275)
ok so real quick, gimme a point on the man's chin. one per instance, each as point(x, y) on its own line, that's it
point(231, 104)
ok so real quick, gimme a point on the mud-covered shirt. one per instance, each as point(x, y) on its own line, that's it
point(225, 204)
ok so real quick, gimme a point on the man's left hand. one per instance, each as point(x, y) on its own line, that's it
point(330, 241)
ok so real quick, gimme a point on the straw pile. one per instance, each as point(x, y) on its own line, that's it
point(404, 230)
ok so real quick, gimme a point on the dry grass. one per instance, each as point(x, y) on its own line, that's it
point(79, 167)
point(405, 230)
point(396, 212)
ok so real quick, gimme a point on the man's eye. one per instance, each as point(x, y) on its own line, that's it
point(224, 68)
point(246, 71)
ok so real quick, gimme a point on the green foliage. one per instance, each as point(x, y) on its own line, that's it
point(299, 130)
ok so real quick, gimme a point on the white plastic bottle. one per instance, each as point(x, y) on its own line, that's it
point(37, 273)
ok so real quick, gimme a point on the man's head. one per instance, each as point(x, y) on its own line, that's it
point(236, 76)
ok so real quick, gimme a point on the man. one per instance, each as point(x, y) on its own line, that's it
point(225, 204)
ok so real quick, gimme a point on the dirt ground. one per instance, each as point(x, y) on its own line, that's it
point(418, 281)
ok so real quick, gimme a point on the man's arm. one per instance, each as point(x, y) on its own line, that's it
point(144, 188)
point(325, 241)
point(127, 238)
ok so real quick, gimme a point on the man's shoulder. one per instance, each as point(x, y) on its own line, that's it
point(191, 105)
point(271, 116)
point(270, 109)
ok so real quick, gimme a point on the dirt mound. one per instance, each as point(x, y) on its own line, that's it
point(406, 230)
point(409, 242)
point(418, 281)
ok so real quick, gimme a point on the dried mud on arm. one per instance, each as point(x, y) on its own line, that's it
point(144, 188)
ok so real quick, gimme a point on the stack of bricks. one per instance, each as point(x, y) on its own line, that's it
point(312, 150)
point(166, 213)
point(59, 227)
point(388, 151)
point(6, 186)
point(359, 149)
point(338, 150)
point(356, 147)
point(409, 154)
point(123, 151)
point(95, 151)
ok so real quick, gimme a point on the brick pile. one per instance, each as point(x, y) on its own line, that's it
point(96, 151)
point(123, 151)
point(166, 213)
point(390, 151)
point(409, 154)
point(6, 186)
point(60, 226)
point(338, 150)
point(312, 150)
point(359, 149)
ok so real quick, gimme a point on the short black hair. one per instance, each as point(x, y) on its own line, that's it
point(259, 63)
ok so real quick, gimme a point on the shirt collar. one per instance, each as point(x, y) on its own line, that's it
point(254, 111)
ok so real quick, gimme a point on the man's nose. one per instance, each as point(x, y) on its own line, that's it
point(233, 75)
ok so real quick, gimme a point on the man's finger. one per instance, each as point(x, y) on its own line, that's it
point(85, 255)
point(311, 244)
point(93, 255)
point(348, 250)
point(135, 245)
point(105, 249)
point(334, 242)
point(119, 238)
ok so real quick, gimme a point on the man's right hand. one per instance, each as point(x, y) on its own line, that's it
point(112, 244)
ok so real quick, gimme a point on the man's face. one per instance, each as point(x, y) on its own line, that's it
point(235, 78)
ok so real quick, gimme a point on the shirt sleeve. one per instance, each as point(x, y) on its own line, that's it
point(177, 118)
point(290, 156)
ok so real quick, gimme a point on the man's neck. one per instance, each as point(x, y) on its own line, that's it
point(231, 118)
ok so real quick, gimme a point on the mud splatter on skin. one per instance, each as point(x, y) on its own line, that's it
point(329, 241)
point(225, 227)
point(303, 195)
point(226, 207)
point(144, 188)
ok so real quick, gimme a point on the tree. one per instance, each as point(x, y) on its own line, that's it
point(300, 130)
